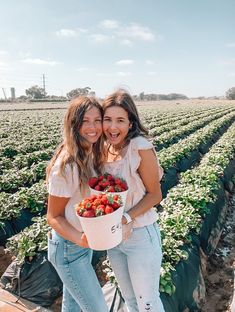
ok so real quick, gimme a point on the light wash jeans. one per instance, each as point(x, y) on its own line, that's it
point(81, 288)
point(136, 263)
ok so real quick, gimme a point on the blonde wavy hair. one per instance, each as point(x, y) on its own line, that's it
point(74, 148)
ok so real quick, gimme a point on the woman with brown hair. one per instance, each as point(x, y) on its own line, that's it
point(67, 176)
point(136, 261)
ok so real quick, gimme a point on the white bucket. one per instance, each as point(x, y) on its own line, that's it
point(103, 232)
point(122, 194)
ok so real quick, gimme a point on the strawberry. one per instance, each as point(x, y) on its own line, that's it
point(117, 188)
point(123, 185)
point(97, 188)
point(88, 214)
point(110, 189)
point(117, 181)
point(92, 182)
point(115, 205)
point(108, 209)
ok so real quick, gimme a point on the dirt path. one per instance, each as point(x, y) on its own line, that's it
point(220, 281)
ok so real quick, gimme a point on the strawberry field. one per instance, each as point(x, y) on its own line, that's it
point(196, 148)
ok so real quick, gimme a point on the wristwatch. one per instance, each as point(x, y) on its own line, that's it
point(128, 217)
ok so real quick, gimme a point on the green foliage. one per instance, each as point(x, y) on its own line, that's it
point(35, 92)
point(77, 92)
point(230, 94)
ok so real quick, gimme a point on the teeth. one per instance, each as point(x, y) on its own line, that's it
point(114, 135)
point(91, 134)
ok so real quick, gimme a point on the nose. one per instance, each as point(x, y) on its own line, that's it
point(113, 125)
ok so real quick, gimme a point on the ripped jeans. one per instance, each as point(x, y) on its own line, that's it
point(136, 263)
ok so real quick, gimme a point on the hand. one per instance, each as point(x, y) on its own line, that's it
point(127, 230)
point(83, 241)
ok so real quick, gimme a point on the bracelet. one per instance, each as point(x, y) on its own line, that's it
point(128, 217)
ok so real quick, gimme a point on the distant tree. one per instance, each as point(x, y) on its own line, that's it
point(35, 92)
point(78, 91)
point(230, 94)
point(22, 98)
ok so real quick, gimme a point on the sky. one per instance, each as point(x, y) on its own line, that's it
point(150, 46)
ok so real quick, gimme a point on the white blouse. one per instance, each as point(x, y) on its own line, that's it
point(67, 186)
point(126, 168)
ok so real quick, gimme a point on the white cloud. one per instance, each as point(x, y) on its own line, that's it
point(230, 45)
point(151, 73)
point(231, 75)
point(82, 69)
point(100, 38)
point(229, 61)
point(125, 62)
point(126, 42)
point(103, 74)
point(109, 24)
point(65, 32)
point(38, 61)
point(123, 74)
point(136, 31)
point(3, 52)
point(149, 62)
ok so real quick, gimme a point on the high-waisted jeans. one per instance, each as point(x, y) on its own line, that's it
point(81, 288)
point(136, 263)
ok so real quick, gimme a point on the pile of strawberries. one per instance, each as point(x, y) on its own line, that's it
point(108, 183)
point(98, 205)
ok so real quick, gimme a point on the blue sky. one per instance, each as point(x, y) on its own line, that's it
point(153, 46)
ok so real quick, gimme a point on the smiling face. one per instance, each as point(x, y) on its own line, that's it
point(91, 128)
point(116, 125)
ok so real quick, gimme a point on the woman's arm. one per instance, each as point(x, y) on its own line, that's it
point(56, 219)
point(149, 173)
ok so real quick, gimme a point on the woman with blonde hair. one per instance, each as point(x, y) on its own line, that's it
point(67, 176)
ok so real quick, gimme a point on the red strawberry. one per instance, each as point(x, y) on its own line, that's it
point(123, 185)
point(117, 188)
point(88, 214)
point(117, 181)
point(110, 189)
point(115, 205)
point(92, 182)
point(108, 209)
point(97, 188)
point(104, 200)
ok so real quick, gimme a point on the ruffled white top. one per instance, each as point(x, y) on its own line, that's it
point(126, 168)
point(67, 186)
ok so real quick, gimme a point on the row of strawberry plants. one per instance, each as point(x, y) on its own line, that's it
point(186, 204)
point(17, 209)
point(180, 132)
point(176, 125)
point(171, 156)
point(25, 160)
point(11, 180)
point(152, 119)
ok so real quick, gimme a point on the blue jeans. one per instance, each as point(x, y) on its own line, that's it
point(81, 288)
point(136, 263)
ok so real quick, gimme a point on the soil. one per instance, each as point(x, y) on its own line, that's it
point(219, 280)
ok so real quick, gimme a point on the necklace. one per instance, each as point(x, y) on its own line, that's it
point(117, 152)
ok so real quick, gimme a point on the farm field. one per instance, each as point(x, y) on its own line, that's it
point(195, 142)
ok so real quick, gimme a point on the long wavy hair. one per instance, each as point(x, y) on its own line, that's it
point(74, 148)
point(123, 99)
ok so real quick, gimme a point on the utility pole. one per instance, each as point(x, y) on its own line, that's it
point(44, 84)
point(3, 90)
